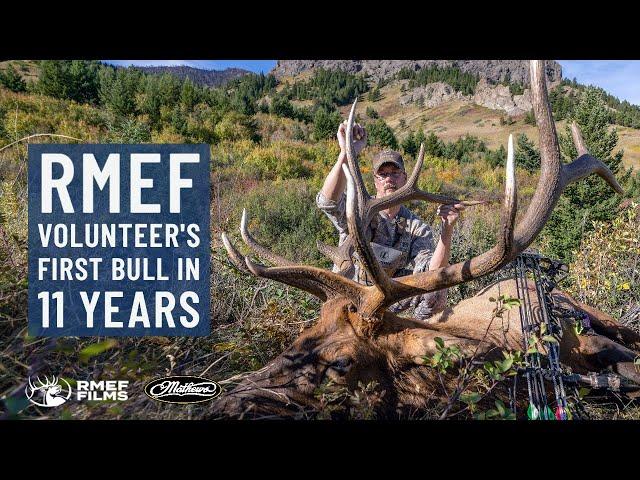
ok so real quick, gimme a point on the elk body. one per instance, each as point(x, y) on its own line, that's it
point(356, 340)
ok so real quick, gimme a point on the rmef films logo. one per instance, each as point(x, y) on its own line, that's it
point(57, 391)
point(119, 240)
point(49, 393)
point(182, 389)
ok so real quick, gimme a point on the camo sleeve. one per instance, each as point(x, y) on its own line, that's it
point(430, 303)
point(421, 249)
point(335, 211)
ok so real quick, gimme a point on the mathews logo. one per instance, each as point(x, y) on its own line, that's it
point(182, 389)
point(49, 394)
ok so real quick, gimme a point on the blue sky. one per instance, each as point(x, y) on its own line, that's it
point(620, 78)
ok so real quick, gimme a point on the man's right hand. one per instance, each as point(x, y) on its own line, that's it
point(359, 136)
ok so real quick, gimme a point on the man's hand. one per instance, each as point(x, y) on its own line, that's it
point(359, 135)
point(449, 215)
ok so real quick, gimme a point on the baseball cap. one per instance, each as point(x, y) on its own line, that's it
point(387, 156)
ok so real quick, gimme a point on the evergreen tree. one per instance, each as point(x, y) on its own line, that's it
point(527, 155)
point(530, 118)
point(374, 95)
point(282, 107)
point(433, 145)
point(590, 199)
point(381, 134)
point(70, 79)
point(150, 101)
point(188, 95)
point(325, 124)
point(118, 90)
point(409, 145)
point(12, 80)
point(497, 158)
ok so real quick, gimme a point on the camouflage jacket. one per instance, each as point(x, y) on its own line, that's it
point(405, 238)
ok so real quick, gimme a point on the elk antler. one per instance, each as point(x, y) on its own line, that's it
point(372, 300)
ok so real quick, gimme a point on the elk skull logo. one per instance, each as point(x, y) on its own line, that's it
point(51, 392)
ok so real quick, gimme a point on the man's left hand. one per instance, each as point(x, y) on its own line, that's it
point(449, 214)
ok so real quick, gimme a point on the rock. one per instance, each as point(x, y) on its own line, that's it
point(494, 71)
point(433, 94)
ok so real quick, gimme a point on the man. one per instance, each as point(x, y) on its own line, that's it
point(402, 242)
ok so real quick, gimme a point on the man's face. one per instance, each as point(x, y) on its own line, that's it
point(388, 179)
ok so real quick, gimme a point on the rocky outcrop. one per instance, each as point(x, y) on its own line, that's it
point(498, 97)
point(494, 71)
point(432, 94)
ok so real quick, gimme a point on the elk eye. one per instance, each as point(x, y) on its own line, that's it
point(341, 365)
point(352, 308)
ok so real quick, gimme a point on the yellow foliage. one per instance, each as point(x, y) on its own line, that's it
point(605, 271)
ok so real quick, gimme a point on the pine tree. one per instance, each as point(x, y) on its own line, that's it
point(372, 113)
point(409, 145)
point(375, 95)
point(433, 145)
point(70, 79)
point(188, 95)
point(527, 155)
point(381, 134)
point(590, 199)
point(12, 80)
point(325, 124)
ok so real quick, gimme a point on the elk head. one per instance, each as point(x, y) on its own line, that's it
point(354, 322)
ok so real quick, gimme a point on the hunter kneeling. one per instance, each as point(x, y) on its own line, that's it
point(401, 241)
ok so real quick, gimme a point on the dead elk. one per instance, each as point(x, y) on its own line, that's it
point(356, 340)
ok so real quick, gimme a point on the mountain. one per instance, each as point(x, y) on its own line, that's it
point(494, 71)
point(210, 78)
point(497, 105)
point(494, 88)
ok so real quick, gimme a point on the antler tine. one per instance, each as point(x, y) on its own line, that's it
point(33, 387)
point(410, 191)
point(578, 141)
point(549, 185)
point(236, 257)
point(357, 231)
point(321, 283)
point(586, 164)
point(360, 188)
point(340, 256)
point(510, 200)
point(317, 281)
point(257, 248)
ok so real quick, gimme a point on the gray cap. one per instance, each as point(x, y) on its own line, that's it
point(387, 156)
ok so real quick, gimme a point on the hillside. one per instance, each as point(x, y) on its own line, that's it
point(29, 71)
point(209, 78)
point(493, 70)
point(454, 119)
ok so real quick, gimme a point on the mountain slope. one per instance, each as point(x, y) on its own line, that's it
point(209, 78)
point(494, 71)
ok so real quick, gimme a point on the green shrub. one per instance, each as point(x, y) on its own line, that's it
point(284, 218)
